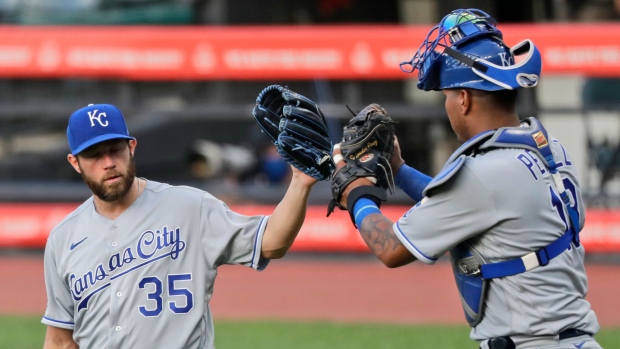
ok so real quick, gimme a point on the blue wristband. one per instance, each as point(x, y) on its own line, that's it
point(412, 181)
point(362, 208)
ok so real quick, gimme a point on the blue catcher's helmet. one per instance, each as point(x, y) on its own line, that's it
point(465, 50)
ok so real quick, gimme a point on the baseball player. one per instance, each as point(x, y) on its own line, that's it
point(507, 205)
point(134, 265)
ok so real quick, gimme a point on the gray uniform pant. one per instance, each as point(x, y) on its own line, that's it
point(550, 342)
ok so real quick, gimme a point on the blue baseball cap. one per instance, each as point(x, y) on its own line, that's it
point(94, 124)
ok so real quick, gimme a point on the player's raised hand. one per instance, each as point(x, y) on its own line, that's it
point(337, 156)
point(298, 129)
point(302, 177)
point(340, 163)
point(366, 149)
point(396, 160)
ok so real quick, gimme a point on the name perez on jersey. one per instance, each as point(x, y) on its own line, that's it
point(532, 161)
point(151, 246)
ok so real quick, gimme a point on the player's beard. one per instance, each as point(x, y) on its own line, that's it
point(114, 191)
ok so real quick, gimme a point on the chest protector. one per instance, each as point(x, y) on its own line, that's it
point(471, 271)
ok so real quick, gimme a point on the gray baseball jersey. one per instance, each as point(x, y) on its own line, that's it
point(144, 280)
point(504, 202)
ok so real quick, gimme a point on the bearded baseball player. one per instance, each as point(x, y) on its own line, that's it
point(507, 205)
point(134, 265)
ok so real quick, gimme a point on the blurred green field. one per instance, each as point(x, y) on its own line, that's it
point(20, 332)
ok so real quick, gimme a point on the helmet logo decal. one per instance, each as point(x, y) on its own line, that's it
point(527, 80)
point(506, 62)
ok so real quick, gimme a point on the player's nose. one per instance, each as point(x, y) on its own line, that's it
point(108, 161)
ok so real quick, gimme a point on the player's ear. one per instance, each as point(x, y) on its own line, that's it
point(73, 160)
point(132, 146)
point(465, 101)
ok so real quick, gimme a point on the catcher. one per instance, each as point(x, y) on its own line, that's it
point(507, 205)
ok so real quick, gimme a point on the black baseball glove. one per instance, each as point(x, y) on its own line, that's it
point(298, 128)
point(367, 145)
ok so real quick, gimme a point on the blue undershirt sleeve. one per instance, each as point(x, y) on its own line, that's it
point(412, 181)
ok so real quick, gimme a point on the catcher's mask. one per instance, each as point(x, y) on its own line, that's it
point(465, 50)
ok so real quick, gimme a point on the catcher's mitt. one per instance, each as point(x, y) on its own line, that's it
point(367, 145)
point(298, 128)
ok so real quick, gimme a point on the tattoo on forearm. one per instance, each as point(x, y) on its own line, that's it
point(376, 230)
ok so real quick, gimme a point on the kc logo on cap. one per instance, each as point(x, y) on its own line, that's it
point(94, 124)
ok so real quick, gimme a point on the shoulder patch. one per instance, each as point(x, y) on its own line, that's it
point(540, 139)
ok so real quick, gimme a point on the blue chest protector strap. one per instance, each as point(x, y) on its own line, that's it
point(534, 138)
point(471, 271)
